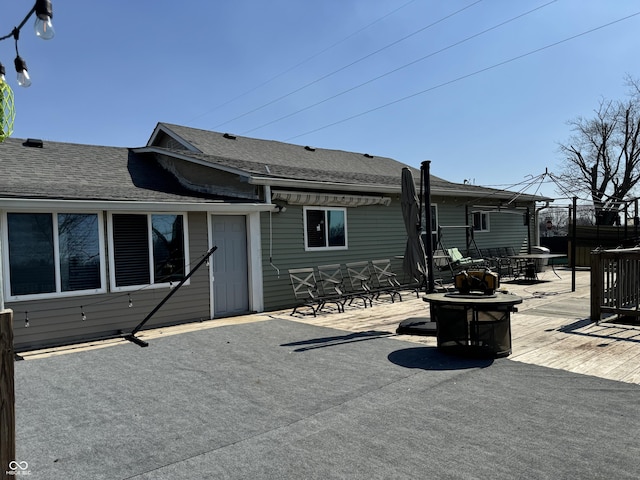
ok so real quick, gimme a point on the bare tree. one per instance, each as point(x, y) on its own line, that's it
point(602, 157)
point(553, 221)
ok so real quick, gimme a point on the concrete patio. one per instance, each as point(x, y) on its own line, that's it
point(340, 396)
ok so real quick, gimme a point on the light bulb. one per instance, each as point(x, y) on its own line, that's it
point(23, 79)
point(43, 25)
point(44, 28)
point(23, 75)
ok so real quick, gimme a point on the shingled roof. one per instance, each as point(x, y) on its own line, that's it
point(268, 159)
point(66, 171)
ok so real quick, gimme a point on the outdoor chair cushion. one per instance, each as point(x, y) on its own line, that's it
point(458, 258)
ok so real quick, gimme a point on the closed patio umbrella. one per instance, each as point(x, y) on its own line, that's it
point(414, 263)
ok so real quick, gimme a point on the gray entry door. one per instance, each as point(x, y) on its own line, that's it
point(230, 274)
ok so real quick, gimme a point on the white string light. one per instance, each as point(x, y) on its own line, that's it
point(43, 28)
point(110, 299)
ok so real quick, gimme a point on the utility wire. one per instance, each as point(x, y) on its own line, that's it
point(345, 66)
point(524, 186)
point(463, 77)
point(398, 69)
point(299, 64)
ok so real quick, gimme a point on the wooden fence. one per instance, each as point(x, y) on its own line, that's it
point(589, 238)
point(7, 394)
point(615, 283)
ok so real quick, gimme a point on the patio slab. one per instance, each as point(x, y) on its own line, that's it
point(287, 400)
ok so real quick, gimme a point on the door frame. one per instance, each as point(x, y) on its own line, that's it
point(254, 260)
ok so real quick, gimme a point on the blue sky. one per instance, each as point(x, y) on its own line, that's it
point(412, 80)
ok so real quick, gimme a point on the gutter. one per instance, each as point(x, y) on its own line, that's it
point(131, 206)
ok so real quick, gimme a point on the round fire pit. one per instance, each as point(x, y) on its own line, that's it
point(473, 324)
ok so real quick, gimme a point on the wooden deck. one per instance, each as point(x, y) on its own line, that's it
point(551, 328)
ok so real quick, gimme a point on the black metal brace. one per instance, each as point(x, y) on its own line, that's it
point(132, 336)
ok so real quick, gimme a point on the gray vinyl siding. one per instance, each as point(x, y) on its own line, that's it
point(373, 232)
point(59, 321)
point(505, 229)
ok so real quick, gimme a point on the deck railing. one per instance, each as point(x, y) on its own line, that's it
point(615, 282)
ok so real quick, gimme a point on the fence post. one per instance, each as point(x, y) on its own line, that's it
point(597, 285)
point(7, 393)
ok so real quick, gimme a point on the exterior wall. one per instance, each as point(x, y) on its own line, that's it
point(58, 321)
point(505, 229)
point(373, 232)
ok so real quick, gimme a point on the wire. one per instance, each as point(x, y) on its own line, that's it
point(398, 69)
point(345, 66)
point(111, 296)
point(19, 27)
point(271, 246)
point(463, 77)
point(299, 64)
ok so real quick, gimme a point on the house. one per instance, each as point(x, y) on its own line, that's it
point(94, 237)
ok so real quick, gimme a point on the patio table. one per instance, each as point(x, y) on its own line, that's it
point(538, 256)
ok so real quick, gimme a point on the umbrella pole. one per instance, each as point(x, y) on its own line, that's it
point(428, 244)
point(420, 197)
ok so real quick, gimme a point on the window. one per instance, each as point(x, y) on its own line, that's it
point(480, 221)
point(147, 249)
point(325, 228)
point(54, 253)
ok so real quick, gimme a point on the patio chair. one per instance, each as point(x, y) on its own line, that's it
point(359, 278)
point(305, 289)
point(303, 282)
point(406, 281)
point(458, 260)
point(332, 285)
point(498, 260)
point(506, 263)
point(442, 262)
point(384, 280)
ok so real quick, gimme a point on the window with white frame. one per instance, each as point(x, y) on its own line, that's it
point(148, 249)
point(325, 228)
point(480, 221)
point(50, 254)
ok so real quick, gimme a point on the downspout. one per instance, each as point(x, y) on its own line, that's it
point(267, 194)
